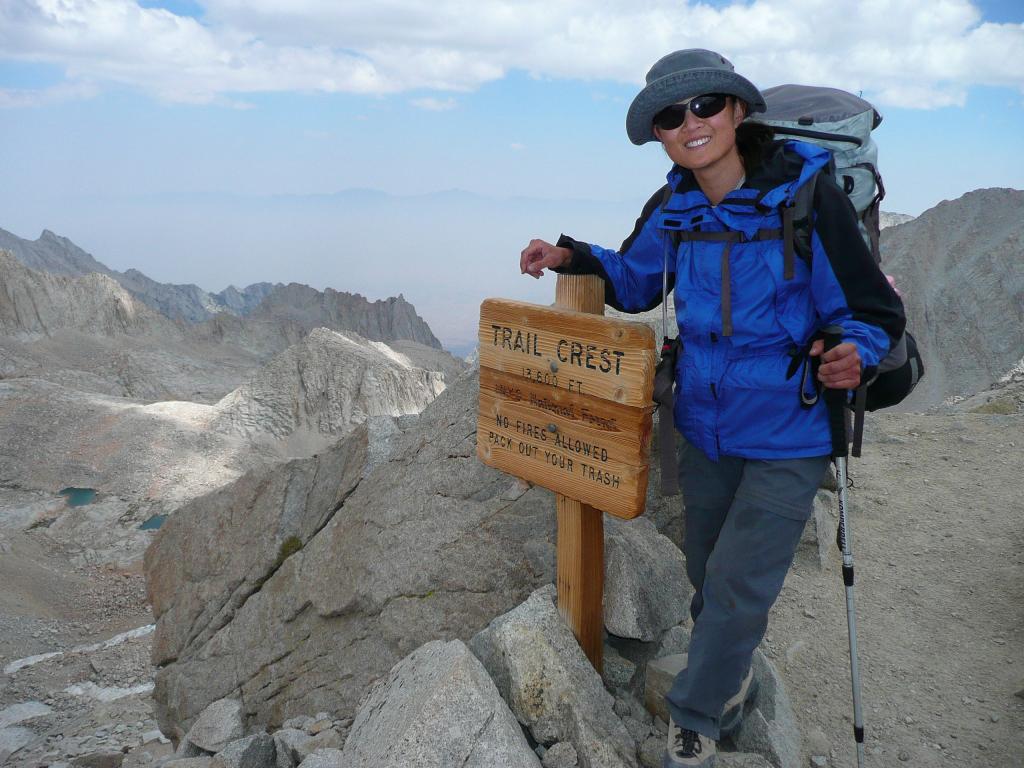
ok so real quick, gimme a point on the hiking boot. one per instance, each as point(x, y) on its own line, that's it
point(732, 712)
point(687, 749)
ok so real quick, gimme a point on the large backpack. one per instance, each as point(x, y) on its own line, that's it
point(842, 123)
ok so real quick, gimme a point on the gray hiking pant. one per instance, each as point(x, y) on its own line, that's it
point(744, 518)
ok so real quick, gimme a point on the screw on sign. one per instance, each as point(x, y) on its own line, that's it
point(565, 403)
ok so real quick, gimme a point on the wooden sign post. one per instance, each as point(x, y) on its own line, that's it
point(565, 403)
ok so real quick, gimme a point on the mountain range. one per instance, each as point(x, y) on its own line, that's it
point(66, 318)
point(959, 267)
point(381, 320)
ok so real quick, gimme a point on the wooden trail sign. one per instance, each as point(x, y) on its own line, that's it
point(565, 402)
point(595, 401)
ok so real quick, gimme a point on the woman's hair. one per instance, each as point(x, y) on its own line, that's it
point(752, 141)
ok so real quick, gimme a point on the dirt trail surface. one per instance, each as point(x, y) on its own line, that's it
point(936, 512)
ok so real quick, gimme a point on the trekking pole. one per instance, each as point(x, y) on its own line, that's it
point(835, 400)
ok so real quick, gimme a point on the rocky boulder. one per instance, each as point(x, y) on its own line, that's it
point(219, 723)
point(437, 708)
point(646, 588)
point(300, 585)
point(542, 673)
point(769, 726)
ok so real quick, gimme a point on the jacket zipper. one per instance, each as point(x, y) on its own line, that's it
point(718, 442)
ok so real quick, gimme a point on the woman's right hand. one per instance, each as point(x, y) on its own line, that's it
point(539, 255)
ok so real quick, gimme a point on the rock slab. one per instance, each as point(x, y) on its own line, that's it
point(436, 708)
point(217, 725)
point(19, 713)
point(769, 726)
point(540, 670)
point(661, 674)
point(818, 541)
point(646, 589)
point(256, 751)
point(13, 739)
point(344, 582)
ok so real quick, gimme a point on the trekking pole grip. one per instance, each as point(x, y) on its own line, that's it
point(835, 399)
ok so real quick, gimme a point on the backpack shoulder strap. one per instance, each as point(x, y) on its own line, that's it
point(665, 374)
point(796, 225)
point(674, 236)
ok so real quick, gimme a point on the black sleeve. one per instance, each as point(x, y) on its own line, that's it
point(867, 291)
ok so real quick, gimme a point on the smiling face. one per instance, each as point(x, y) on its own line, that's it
point(706, 145)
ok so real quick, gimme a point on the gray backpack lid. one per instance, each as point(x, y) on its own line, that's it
point(841, 123)
point(808, 105)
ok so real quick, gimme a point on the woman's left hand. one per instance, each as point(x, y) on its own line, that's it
point(840, 366)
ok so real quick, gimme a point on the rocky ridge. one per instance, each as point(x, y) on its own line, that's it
point(34, 303)
point(306, 308)
point(886, 219)
point(147, 459)
point(298, 308)
point(190, 303)
point(434, 545)
point(960, 268)
point(318, 388)
point(51, 253)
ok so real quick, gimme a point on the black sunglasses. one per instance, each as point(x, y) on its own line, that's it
point(674, 115)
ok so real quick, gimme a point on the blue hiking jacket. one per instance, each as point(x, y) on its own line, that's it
point(741, 318)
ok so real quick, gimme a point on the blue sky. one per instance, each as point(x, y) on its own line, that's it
point(183, 138)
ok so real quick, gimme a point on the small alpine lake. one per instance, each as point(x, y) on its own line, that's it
point(78, 497)
point(153, 523)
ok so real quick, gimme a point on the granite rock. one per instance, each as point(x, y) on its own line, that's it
point(217, 725)
point(661, 673)
point(325, 758)
point(423, 547)
point(256, 751)
point(560, 755)
point(768, 726)
point(542, 673)
point(436, 708)
point(646, 589)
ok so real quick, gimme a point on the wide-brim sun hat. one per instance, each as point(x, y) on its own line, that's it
point(679, 76)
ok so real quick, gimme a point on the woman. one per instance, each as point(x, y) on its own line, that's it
point(754, 452)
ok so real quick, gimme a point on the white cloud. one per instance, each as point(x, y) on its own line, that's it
point(923, 53)
point(516, 146)
point(71, 91)
point(434, 105)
